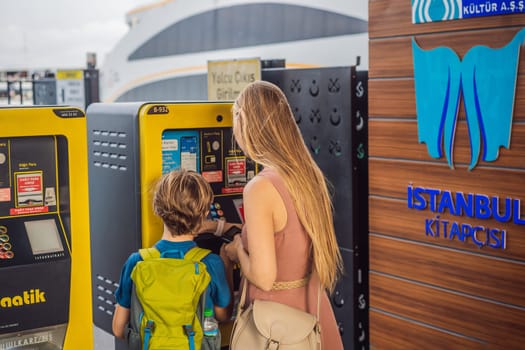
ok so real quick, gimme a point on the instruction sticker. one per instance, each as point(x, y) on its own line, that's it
point(29, 189)
point(236, 171)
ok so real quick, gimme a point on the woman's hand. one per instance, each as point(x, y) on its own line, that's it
point(228, 263)
point(232, 249)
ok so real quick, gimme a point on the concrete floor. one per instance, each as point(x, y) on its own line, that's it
point(103, 340)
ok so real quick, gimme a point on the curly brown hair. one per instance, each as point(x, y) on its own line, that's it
point(182, 200)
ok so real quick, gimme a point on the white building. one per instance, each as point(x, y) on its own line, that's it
point(165, 53)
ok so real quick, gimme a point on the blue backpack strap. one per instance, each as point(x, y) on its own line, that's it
point(196, 254)
point(150, 326)
point(188, 329)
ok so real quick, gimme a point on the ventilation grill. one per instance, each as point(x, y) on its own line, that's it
point(105, 295)
point(110, 150)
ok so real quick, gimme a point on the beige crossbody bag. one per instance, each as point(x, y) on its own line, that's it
point(272, 325)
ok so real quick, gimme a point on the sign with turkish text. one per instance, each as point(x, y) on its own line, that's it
point(424, 11)
point(226, 79)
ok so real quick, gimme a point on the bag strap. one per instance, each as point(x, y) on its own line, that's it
point(146, 254)
point(196, 254)
point(149, 253)
point(148, 329)
point(284, 286)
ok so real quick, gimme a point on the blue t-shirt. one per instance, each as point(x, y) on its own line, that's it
point(217, 293)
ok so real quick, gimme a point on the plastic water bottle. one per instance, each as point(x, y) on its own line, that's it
point(210, 326)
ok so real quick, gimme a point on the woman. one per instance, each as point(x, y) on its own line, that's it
point(288, 233)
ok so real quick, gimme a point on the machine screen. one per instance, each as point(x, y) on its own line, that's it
point(43, 236)
point(180, 149)
point(188, 152)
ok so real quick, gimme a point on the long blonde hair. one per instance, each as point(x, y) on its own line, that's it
point(266, 130)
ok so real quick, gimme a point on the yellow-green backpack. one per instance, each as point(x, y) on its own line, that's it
point(166, 293)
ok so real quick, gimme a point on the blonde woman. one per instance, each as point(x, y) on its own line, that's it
point(288, 233)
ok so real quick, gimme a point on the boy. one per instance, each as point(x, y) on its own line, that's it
point(182, 200)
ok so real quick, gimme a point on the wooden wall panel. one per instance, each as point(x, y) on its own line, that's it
point(399, 139)
point(393, 57)
point(500, 280)
point(397, 99)
point(392, 217)
point(391, 98)
point(390, 178)
point(391, 333)
point(428, 292)
point(388, 18)
point(500, 326)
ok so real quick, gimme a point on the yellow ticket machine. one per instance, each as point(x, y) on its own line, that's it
point(45, 291)
point(130, 145)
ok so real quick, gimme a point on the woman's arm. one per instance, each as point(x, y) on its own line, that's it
point(120, 320)
point(260, 202)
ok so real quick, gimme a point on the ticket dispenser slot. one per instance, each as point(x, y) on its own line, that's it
point(44, 230)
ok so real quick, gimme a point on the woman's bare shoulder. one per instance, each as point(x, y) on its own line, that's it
point(259, 186)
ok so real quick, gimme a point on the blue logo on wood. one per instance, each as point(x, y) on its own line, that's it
point(424, 11)
point(487, 78)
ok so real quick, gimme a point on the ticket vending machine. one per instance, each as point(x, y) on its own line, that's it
point(44, 230)
point(130, 145)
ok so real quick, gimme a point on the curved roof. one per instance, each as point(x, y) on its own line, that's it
point(247, 25)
